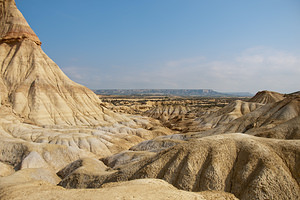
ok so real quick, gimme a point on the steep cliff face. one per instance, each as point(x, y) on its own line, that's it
point(34, 85)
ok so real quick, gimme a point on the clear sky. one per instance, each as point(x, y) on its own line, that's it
point(225, 45)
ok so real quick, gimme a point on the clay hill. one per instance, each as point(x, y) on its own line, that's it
point(165, 112)
point(267, 97)
point(194, 121)
point(274, 120)
point(56, 135)
point(47, 120)
point(34, 86)
point(40, 104)
point(246, 166)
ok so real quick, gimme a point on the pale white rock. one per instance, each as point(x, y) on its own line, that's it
point(34, 160)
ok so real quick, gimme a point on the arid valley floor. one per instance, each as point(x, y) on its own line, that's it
point(59, 140)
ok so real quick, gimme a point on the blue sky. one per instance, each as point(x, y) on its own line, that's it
point(225, 45)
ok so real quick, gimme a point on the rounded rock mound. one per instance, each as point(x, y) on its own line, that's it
point(248, 167)
point(276, 120)
point(267, 97)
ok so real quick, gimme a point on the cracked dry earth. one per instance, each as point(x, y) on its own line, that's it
point(59, 141)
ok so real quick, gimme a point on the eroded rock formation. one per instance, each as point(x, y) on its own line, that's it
point(276, 120)
point(267, 97)
point(55, 131)
point(34, 86)
point(247, 166)
point(40, 104)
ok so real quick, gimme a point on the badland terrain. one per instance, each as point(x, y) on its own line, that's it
point(59, 140)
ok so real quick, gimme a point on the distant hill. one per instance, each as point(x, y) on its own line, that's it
point(240, 94)
point(267, 97)
point(170, 92)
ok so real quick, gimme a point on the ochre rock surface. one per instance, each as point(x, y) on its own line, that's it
point(13, 25)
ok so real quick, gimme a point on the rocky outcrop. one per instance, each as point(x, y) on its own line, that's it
point(40, 104)
point(56, 131)
point(34, 86)
point(214, 119)
point(248, 167)
point(19, 154)
point(83, 171)
point(39, 92)
point(117, 160)
point(277, 120)
point(267, 97)
point(159, 143)
point(288, 130)
point(166, 112)
point(13, 25)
